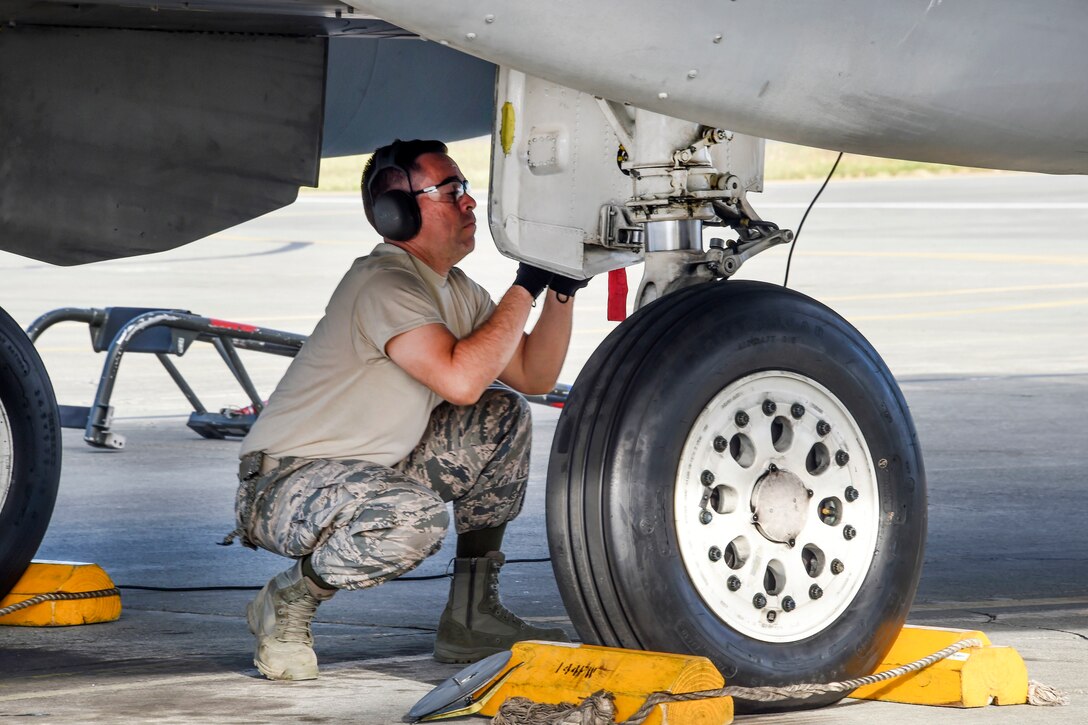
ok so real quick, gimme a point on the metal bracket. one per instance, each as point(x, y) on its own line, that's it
point(618, 117)
point(618, 230)
point(710, 137)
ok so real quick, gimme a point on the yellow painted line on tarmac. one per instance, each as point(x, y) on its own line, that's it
point(954, 292)
point(1078, 302)
point(1001, 604)
point(284, 317)
point(973, 311)
point(1064, 260)
point(346, 212)
point(995, 309)
point(282, 240)
point(157, 680)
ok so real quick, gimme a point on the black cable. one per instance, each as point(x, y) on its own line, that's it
point(189, 589)
point(793, 246)
point(253, 589)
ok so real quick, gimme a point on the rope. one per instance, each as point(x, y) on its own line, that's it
point(586, 713)
point(598, 708)
point(59, 596)
point(1045, 695)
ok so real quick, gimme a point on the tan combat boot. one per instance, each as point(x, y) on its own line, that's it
point(474, 623)
point(280, 617)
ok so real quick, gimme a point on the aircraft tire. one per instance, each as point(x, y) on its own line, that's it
point(30, 451)
point(645, 544)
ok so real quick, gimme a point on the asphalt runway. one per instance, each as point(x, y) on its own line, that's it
point(973, 288)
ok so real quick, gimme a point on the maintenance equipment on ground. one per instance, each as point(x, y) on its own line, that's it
point(165, 332)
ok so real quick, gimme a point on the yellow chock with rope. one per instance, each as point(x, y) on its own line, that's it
point(972, 677)
point(58, 594)
point(554, 673)
point(546, 682)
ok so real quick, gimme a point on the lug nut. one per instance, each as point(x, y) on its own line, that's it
point(830, 511)
point(837, 566)
point(771, 616)
point(715, 553)
point(705, 517)
point(842, 457)
point(769, 407)
point(772, 468)
point(823, 427)
point(733, 583)
point(707, 478)
point(815, 592)
point(720, 444)
point(741, 418)
point(851, 493)
point(759, 601)
point(788, 605)
point(849, 532)
point(797, 411)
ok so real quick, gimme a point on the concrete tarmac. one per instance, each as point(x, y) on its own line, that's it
point(973, 288)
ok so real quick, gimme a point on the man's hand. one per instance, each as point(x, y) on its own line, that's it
point(533, 279)
point(567, 286)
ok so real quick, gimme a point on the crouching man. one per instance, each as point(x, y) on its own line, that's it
point(390, 411)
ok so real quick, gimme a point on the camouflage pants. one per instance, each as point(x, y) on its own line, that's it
point(364, 523)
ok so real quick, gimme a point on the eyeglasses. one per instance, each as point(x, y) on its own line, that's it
point(448, 190)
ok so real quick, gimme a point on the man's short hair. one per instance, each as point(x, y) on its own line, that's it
point(406, 155)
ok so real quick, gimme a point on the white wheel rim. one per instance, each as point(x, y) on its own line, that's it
point(7, 455)
point(734, 561)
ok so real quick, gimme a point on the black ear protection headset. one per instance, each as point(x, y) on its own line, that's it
point(396, 212)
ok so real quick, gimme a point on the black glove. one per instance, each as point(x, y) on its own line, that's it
point(533, 279)
point(567, 286)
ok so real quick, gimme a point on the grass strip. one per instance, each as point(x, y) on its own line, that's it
point(783, 162)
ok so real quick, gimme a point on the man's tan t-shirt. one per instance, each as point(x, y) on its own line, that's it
point(342, 397)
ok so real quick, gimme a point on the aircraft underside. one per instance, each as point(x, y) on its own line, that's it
point(735, 454)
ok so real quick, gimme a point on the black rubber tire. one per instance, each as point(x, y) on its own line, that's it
point(31, 409)
point(614, 464)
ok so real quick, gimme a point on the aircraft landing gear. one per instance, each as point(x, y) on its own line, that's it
point(736, 475)
point(30, 451)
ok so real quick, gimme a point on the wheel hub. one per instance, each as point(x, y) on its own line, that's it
point(777, 506)
point(780, 506)
point(7, 451)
